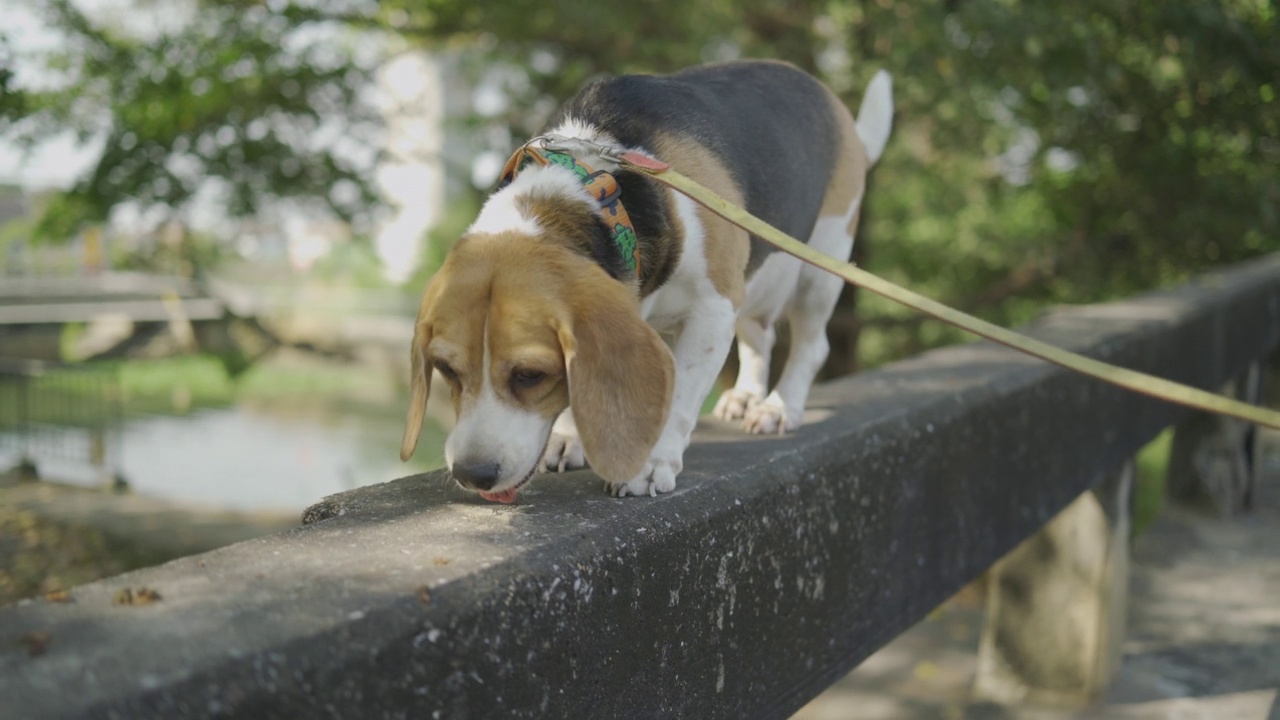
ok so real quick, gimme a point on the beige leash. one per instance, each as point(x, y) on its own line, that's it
point(1123, 377)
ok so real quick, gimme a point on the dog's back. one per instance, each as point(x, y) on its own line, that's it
point(770, 124)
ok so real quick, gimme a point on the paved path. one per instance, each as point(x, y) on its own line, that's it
point(1203, 640)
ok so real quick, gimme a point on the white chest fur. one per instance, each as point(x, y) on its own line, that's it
point(689, 285)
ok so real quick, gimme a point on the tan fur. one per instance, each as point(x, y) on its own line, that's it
point(560, 218)
point(419, 376)
point(849, 176)
point(544, 307)
point(563, 220)
point(454, 308)
point(521, 337)
point(420, 389)
point(727, 246)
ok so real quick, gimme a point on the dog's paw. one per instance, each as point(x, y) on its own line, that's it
point(564, 452)
point(659, 476)
point(734, 403)
point(770, 417)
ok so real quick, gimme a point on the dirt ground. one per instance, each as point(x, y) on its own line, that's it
point(55, 536)
point(38, 556)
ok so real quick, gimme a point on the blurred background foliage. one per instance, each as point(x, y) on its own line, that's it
point(1043, 152)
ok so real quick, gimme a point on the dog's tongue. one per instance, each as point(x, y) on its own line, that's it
point(506, 496)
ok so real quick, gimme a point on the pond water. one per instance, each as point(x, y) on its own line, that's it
point(259, 458)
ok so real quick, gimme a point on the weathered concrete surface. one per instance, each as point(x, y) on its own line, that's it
point(775, 567)
point(1203, 641)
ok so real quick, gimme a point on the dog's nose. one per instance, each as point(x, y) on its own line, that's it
point(477, 476)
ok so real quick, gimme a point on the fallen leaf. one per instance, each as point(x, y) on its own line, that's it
point(58, 596)
point(141, 596)
point(424, 594)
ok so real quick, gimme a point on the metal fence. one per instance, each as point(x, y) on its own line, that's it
point(61, 414)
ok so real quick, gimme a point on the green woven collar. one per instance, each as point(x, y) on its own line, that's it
point(602, 186)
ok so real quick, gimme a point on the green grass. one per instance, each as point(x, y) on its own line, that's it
point(83, 395)
point(174, 384)
point(157, 385)
point(270, 381)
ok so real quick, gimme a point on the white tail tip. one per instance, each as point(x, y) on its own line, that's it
point(875, 116)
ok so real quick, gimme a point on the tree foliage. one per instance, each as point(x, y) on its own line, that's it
point(248, 102)
point(1042, 153)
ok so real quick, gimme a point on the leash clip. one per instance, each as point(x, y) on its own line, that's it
point(561, 143)
point(619, 156)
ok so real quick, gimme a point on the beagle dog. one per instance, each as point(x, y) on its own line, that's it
point(584, 316)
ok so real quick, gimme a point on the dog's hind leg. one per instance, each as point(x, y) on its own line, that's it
point(816, 291)
point(815, 298)
point(755, 342)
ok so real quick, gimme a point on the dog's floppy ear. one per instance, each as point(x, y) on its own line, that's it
point(620, 375)
point(420, 371)
point(420, 389)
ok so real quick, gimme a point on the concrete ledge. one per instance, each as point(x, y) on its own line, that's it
point(776, 566)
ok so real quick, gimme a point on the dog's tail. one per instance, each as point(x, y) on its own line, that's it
point(875, 116)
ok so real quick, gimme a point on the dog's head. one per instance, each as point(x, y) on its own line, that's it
point(520, 329)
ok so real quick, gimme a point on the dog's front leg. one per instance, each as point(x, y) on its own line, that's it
point(564, 447)
point(700, 349)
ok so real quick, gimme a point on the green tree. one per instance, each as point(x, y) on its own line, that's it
point(261, 103)
point(1143, 135)
point(1041, 154)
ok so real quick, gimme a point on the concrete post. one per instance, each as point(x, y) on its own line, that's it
point(1056, 605)
point(1212, 463)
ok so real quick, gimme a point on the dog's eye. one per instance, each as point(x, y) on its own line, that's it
point(446, 371)
point(524, 378)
